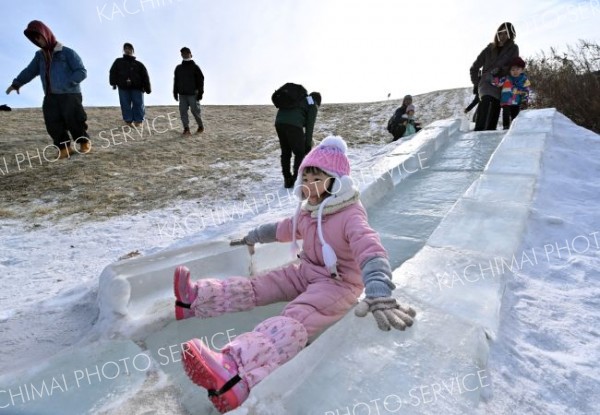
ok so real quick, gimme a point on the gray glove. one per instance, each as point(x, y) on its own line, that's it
point(263, 234)
point(387, 312)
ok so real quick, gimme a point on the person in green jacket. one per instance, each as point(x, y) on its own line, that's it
point(295, 128)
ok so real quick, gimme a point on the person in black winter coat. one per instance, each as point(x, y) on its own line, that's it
point(493, 62)
point(396, 126)
point(131, 77)
point(295, 127)
point(188, 88)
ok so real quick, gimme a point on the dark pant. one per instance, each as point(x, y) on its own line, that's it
point(308, 145)
point(64, 114)
point(291, 140)
point(488, 113)
point(509, 113)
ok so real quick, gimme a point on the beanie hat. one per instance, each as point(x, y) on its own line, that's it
point(411, 107)
point(329, 156)
point(517, 61)
point(185, 50)
point(509, 29)
point(316, 97)
point(128, 45)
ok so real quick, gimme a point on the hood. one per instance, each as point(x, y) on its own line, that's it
point(34, 28)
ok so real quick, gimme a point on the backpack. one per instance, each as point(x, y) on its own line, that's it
point(289, 96)
point(394, 125)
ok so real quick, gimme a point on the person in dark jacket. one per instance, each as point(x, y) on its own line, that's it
point(396, 126)
point(295, 128)
point(493, 61)
point(131, 77)
point(61, 71)
point(188, 88)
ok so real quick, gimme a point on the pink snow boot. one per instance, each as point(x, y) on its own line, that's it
point(215, 372)
point(185, 293)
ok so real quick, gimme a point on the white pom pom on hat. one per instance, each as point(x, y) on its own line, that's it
point(334, 141)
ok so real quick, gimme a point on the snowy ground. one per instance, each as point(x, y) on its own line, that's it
point(543, 359)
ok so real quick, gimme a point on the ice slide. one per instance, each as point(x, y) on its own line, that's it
point(438, 212)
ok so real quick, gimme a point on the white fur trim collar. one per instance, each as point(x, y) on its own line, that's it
point(333, 206)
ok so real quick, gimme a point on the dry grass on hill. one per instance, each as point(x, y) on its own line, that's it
point(132, 171)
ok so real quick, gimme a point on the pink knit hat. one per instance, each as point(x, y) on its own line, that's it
point(329, 156)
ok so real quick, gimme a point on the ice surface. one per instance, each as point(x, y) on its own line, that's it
point(422, 142)
point(492, 228)
point(406, 158)
point(518, 140)
point(495, 188)
point(76, 382)
point(515, 161)
point(486, 219)
point(538, 121)
point(462, 284)
point(406, 217)
point(354, 365)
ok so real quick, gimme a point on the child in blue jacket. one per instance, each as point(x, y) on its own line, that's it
point(515, 91)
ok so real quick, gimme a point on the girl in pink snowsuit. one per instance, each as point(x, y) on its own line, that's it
point(341, 255)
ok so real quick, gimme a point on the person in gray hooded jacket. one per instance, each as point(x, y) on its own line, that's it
point(493, 61)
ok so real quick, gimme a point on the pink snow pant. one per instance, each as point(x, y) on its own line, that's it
point(314, 304)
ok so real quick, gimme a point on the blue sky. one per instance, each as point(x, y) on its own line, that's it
point(349, 50)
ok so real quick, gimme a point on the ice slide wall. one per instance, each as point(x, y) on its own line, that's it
point(136, 294)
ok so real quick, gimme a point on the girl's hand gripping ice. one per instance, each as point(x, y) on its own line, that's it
point(387, 312)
